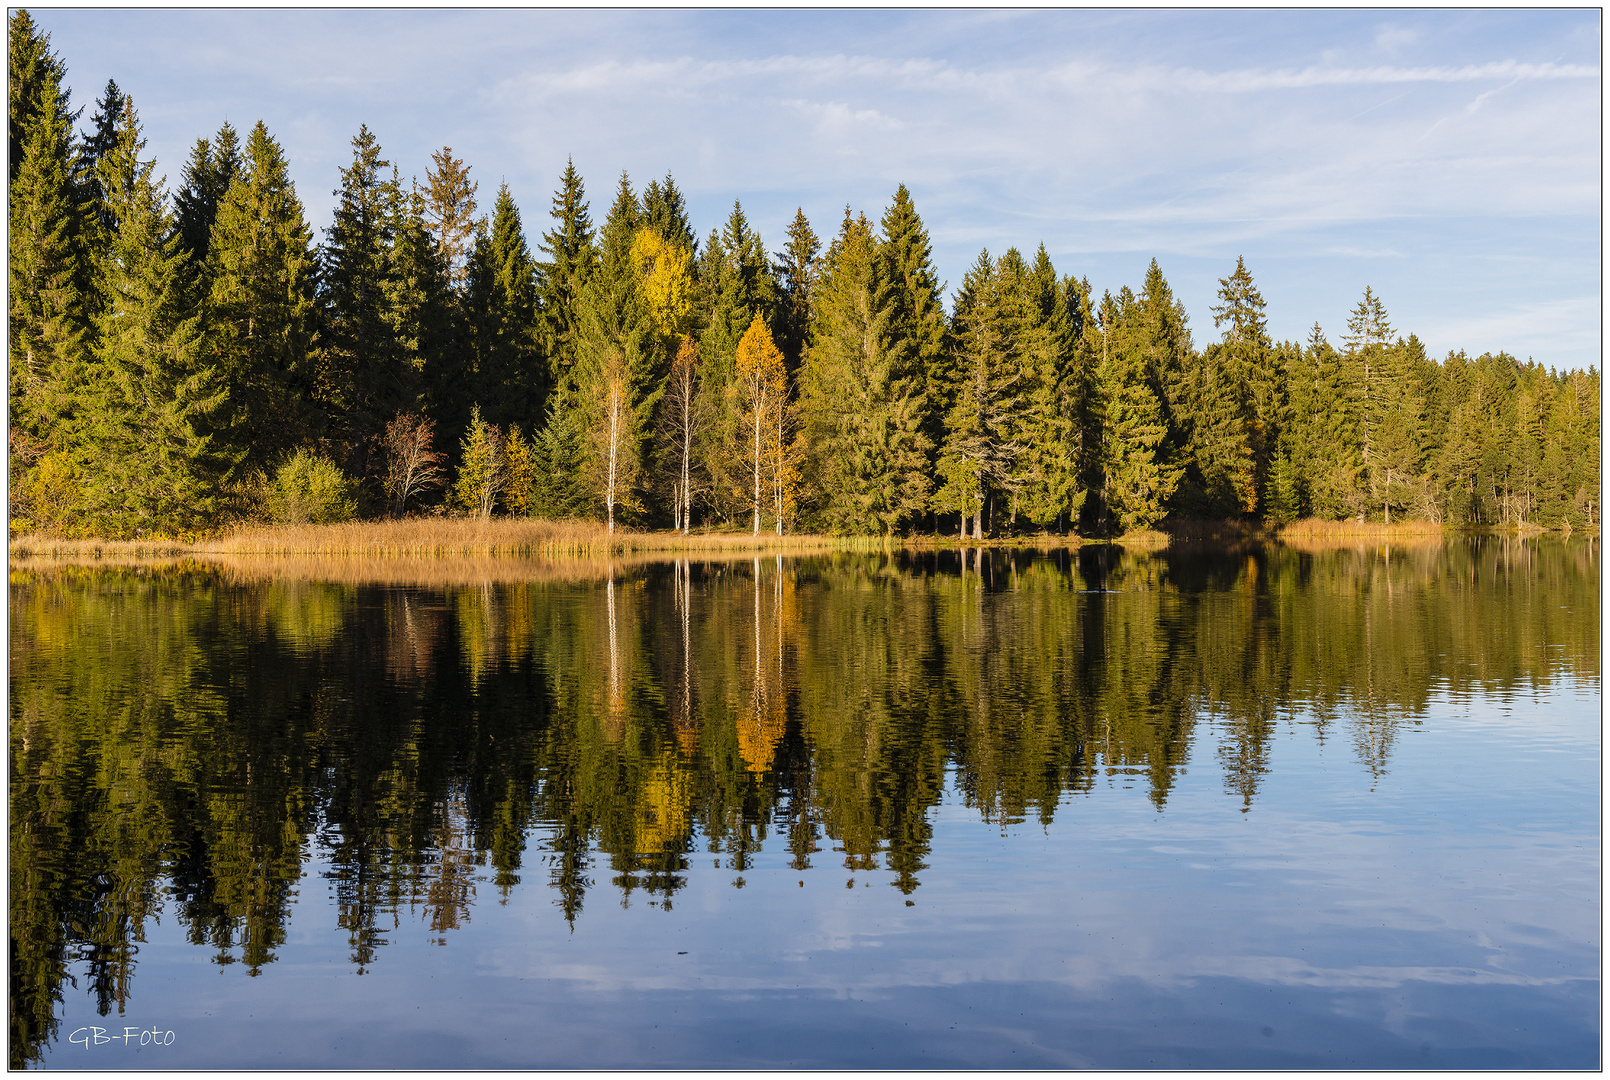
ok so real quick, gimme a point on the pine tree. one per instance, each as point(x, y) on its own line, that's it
point(860, 410)
point(142, 460)
point(260, 305)
point(571, 258)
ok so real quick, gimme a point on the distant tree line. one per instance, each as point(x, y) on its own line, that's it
point(178, 363)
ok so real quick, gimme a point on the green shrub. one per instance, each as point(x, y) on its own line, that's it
point(310, 490)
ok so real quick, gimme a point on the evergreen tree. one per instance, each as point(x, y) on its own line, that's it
point(906, 261)
point(362, 369)
point(861, 407)
point(616, 379)
point(515, 375)
point(666, 212)
point(33, 71)
point(212, 167)
point(571, 257)
point(796, 270)
point(260, 306)
point(48, 340)
point(421, 313)
point(97, 144)
point(1238, 400)
point(142, 460)
point(450, 212)
point(1056, 373)
point(1139, 474)
point(979, 455)
point(1156, 326)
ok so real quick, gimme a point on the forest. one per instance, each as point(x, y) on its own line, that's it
point(183, 362)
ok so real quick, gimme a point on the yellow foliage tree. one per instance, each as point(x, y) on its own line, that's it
point(759, 396)
point(666, 271)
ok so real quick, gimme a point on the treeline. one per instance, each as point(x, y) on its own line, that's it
point(183, 742)
point(178, 363)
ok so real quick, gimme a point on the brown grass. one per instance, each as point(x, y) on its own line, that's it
point(1317, 529)
point(438, 538)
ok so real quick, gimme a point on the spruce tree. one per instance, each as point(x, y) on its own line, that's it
point(616, 379)
point(1139, 474)
point(212, 167)
point(666, 212)
point(450, 212)
point(360, 362)
point(421, 312)
point(99, 142)
point(1055, 370)
point(796, 270)
point(860, 408)
point(33, 70)
point(979, 455)
point(260, 304)
point(142, 460)
point(906, 261)
point(48, 339)
point(571, 258)
point(1235, 457)
point(513, 375)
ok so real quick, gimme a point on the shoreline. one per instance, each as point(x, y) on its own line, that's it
point(457, 538)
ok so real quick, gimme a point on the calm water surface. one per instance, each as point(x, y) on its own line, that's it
point(1199, 808)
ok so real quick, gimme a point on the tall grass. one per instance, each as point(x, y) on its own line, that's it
point(436, 538)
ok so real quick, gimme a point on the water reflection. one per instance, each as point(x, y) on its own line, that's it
point(186, 739)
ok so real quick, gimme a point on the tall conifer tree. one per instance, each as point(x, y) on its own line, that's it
point(260, 306)
point(861, 408)
point(46, 308)
point(143, 461)
point(571, 258)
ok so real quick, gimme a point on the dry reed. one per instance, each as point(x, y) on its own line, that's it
point(438, 538)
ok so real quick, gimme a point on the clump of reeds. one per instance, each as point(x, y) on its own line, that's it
point(41, 546)
point(1317, 528)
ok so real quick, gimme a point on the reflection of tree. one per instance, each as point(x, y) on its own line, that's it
point(177, 740)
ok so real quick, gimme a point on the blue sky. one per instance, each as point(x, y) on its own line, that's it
point(1450, 160)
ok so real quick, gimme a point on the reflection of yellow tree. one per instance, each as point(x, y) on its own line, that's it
point(764, 713)
point(482, 635)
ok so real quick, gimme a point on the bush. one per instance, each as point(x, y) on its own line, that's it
point(310, 490)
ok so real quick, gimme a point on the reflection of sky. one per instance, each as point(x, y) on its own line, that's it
point(1448, 159)
point(1442, 914)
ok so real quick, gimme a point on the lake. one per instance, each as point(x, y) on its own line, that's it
point(1202, 807)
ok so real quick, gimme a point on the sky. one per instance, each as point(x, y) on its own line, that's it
point(1447, 159)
